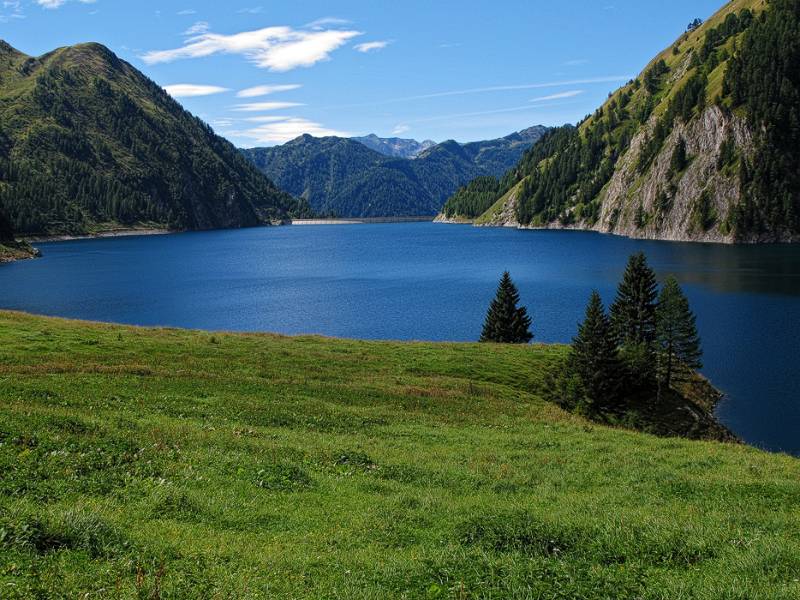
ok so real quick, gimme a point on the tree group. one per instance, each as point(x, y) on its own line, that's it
point(648, 343)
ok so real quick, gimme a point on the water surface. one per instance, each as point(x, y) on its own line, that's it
point(433, 282)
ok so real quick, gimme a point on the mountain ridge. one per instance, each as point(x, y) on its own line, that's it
point(677, 153)
point(343, 177)
point(395, 147)
point(88, 142)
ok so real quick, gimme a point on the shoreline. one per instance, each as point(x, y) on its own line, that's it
point(111, 233)
point(361, 220)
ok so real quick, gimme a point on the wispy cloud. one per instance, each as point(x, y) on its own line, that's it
point(12, 9)
point(495, 88)
point(266, 90)
point(284, 129)
point(400, 129)
point(559, 96)
point(259, 106)
point(273, 48)
point(190, 90)
point(53, 4)
point(197, 28)
point(328, 22)
point(372, 46)
point(186, 11)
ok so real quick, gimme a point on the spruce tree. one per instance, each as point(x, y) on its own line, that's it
point(506, 323)
point(633, 319)
point(633, 314)
point(595, 358)
point(677, 339)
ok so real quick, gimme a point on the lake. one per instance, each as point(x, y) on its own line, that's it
point(434, 282)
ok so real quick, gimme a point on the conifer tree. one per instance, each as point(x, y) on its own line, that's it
point(506, 323)
point(633, 314)
point(595, 358)
point(633, 319)
point(678, 342)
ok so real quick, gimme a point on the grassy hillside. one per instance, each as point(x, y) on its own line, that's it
point(701, 146)
point(164, 463)
point(87, 142)
point(345, 177)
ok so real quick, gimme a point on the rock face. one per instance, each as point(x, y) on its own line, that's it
point(631, 205)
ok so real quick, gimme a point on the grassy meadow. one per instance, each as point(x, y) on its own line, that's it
point(159, 463)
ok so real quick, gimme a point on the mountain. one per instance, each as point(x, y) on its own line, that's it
point(88, 142)
point(395, 147)
point(344, 177)
point(703, 146)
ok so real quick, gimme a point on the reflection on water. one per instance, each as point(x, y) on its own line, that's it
point(427, 281)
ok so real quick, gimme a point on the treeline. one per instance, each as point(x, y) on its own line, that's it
point(764, 79)
point(622, 362)
point(473, 199)
point(95, 141)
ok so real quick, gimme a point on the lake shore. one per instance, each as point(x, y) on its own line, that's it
point(111, 233)
point(361, 220)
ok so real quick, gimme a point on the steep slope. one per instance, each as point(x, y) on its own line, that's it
point(87, 141)
point(703, 146)
point(395, 147)
point(344, 177)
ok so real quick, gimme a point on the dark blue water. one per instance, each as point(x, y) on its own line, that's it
point(433, 282)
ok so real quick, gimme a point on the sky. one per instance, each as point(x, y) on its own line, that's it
point(263, 72)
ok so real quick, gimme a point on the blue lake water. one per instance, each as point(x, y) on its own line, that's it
point(434, 282)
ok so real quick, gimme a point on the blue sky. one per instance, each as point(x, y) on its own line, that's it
point(264, 71)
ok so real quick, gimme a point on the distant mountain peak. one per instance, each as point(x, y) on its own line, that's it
point(395, 147)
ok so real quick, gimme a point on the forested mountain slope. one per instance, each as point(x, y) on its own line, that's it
point(704, 145)
point(88, 142)
point(343, 177)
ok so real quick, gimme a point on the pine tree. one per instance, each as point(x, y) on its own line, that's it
point(633, 319)
point(678, 342)
point(633, 314)
point(595, 358)
point(505, 322)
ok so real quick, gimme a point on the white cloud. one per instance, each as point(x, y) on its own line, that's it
point(400, 129)
point(559, 96)
point(187, 11)
point(273, 48)
point(286, 129)
point(258, 106)
point(197, 28)
point(52, 4)
point(266, 90)
point(372, 46)
point(327, 21)
point(189, 90)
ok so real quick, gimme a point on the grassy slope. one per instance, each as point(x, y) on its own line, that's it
point(166, 463)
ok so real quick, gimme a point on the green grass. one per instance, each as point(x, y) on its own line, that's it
point(172, 464)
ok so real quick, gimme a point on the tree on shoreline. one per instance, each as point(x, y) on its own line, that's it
point(506, 323)
point(633, 319)
point(678, 342)
point(595, 358)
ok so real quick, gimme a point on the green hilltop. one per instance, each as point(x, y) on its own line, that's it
point(702, 146)
point(89, 143)
point(160, 463)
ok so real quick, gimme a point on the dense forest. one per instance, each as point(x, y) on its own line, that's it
point(86, 141)
point(345, 177)
point(653, 157)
